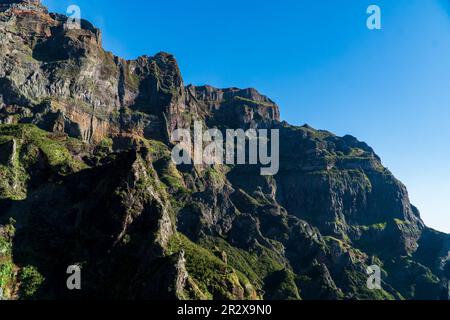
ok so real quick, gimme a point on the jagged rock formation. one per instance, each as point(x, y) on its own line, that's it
point(86, 178)
point(22, 5)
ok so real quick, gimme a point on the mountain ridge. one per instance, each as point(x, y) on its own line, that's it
point(87, 179)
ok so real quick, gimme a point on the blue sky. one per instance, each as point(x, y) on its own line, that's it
point(319, 62)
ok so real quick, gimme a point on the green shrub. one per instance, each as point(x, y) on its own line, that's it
point(6, 273)
point(30, 281)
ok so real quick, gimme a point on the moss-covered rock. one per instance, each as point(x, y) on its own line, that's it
point(214, 278)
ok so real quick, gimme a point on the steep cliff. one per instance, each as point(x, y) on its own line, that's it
point(86, 178)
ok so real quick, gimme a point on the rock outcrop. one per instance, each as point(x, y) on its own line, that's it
point(22, 5)
point(48, 69)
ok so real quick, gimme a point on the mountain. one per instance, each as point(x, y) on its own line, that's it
point(86, 178)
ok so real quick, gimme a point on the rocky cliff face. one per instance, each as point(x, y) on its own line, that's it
point(60, 78)
point(86, 178)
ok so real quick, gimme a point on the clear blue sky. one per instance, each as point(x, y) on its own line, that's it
point(319, 62)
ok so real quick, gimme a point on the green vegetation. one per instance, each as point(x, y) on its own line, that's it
point(157, 149)
point(109, 68)
point(215, 176)
point(260, 265)
point(254, 265)
point(400, 223)
point(252, 103)
point(313, 133)
point(106, 143)
point(32, 146)
point(412, 279)
point(212, 276)
point(376, 227)
point(53, 149)
point(30, 281)
point(131, 79)
point(358, 286)
point(308, 232)
point(340, 243)
point(281, 285)
point(171, 177)
point(7, 267)
point(6, 273)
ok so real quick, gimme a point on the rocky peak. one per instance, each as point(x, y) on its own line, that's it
point(209, 93)
point(234, 107)
point(52, 72)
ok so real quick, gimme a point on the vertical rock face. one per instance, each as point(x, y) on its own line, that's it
point(182, 275)
point(55, 69)
point(235, 108)
point(86, 178)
